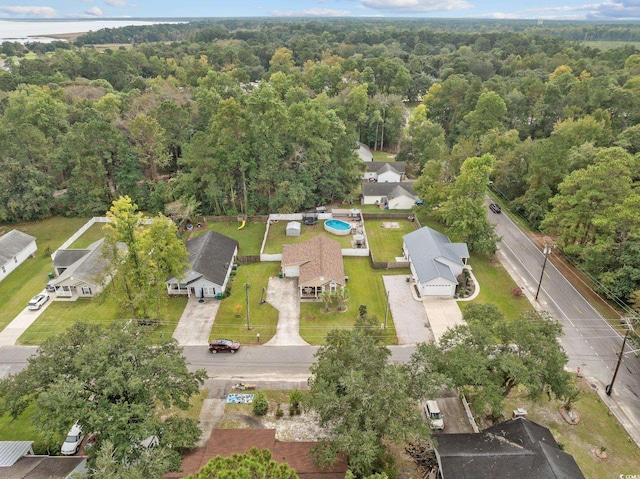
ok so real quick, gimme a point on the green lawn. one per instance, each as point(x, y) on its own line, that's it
point(383, 156)
point(277, 236)
point(231, 320)
point(31, 276)
point(93, 234)
point(102, 310)
point(249, 238)
point(365, 286)
point(597, 427)
point(24, 429)
point(386, 243)
point(496, 287)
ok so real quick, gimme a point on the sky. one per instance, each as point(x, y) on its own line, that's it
point(502, 9)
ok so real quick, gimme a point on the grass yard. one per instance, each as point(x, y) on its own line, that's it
point(249, 238)
point(231, 320)
point(597, 428)
point(24, 429)
point(383, 156)
point(31, 276)
point(365, 287)
point(386, 243)
point(496, 287)
point(93, 234)
point(102, 310)
point(277, 236)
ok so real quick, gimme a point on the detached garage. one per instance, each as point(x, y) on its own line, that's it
point(435, 261)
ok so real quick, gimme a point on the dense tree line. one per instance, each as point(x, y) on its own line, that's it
point(258, 115)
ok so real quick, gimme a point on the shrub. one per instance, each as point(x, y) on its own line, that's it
point(279, 412)
point(295, 398)
point(260, 404)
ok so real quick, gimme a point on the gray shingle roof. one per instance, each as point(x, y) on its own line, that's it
point(87, 269)
point(210, 255)
point(390, 190)
point(13, 243)
point(384, 166)
point(514, 449)
point(428, 248)
point(66, 257)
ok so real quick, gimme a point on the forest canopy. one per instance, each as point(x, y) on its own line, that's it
point(246, 116)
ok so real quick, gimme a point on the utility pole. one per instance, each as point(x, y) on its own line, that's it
point(609, 387)
point(546, 252)
point(246, 292)
point(386, 311)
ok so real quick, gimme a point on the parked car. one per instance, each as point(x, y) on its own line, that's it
point(223, 345)
point(73, 440)
point(434, 416)
point(419, 202)
point(38, 301)
point(50, 287)
point(495, 208)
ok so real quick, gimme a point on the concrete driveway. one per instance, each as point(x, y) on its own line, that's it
point(196, 322)
point(21, 323)
point(443, 313)
point(409, 315)
point(282, 294)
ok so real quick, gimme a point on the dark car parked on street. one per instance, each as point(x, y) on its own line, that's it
point(223, 345)
point(495, 208)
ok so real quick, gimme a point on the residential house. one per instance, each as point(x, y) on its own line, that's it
point(15, 247)
point(317, 263)
point(80, 272)
point(17, 461)
point(392, 196)
point(364, 152)
point(211, 258)
point(517, 448)
point(435, 261)
point(385, 172)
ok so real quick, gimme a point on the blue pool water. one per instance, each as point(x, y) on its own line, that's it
point(338, 225)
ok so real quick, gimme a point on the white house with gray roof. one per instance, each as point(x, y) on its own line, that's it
point(392, 196)
point(211, 258)
point(80, 272)
point(15, 248)
point(435, 261)
point(385, 171)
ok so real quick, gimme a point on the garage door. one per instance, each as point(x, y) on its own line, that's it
point(437, 290)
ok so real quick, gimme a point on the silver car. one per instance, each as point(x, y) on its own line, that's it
point(38, 301)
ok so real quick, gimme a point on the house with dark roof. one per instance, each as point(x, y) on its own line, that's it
point(385, 171)
point(514, 449)
point(211, 259)
point(17, 461)
point(435, 261)
point(80, 272)
point(317, 263)
point(392, 196)
point(15, 248)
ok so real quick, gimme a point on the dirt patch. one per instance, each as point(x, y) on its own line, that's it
point(304, 427)
point(391, 225)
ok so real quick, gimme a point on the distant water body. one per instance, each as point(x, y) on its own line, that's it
point(24, 31)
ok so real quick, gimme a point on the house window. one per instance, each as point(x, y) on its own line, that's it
point(332, 287)
point(86, 290)
point(209, 291)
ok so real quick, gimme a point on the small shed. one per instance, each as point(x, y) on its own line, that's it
point(293, 228)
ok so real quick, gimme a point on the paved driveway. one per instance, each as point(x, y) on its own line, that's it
point(282, 294)
point(196, 322)
point(443, 313)
point(21, 323)
point(409, 315)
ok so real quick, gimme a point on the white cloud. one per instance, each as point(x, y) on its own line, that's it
point(94, 12)
point(40, 12)
point(607, 10)
point(119, 3)
point(313, 12)
point(416, 6)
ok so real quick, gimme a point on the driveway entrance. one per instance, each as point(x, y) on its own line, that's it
point(409, 315)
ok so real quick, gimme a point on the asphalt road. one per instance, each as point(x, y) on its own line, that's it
point(589, 340)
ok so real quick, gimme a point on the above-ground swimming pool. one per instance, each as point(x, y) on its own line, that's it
point(337, 227)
